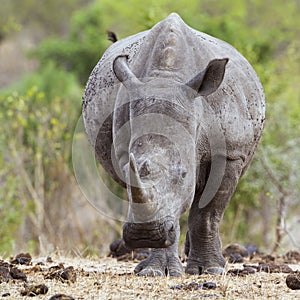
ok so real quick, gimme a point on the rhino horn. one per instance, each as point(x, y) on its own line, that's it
point(123, 72)
point(138, 193)
point(208, 80)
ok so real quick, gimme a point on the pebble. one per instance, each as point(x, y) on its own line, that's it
point(252, 250)
point(293, 281)
point(235, 258)
point(21, 259)
point(194, 286)
point(17, 274)
point(61, 273)
point(209, 285)
point(5, 295)
point(235, 249)
point(34, 290)
point(293, 256)
point(61, 297)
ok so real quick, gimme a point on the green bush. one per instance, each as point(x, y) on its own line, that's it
point(36, 138)
point(83, 47)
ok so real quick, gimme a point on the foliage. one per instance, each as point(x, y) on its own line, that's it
point(10, 212)
point(80, 52)
point(37, 131)
point(47, 19)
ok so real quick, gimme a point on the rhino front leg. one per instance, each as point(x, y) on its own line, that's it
point(203, 241)
point(162, 261)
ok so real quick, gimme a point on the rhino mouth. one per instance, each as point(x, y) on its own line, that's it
point(155, 234)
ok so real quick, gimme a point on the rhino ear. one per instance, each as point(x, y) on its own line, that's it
point(123, 72)
point(208, 80)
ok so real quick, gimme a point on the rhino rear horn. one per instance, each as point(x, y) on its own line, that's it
point(123, 72)
point(208, 80)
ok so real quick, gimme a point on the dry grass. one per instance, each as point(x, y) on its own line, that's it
point(105, 278)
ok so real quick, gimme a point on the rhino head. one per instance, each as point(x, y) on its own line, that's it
point(159, 159)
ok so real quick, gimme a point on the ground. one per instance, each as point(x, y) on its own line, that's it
point(107, 278)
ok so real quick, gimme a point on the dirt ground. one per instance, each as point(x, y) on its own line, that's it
point(107, 278)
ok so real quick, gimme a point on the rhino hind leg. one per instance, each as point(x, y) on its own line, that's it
point(203, 244)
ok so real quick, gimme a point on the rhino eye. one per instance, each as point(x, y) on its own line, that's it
point(183, 174)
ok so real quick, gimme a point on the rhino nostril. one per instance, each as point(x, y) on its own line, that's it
point(145, 169)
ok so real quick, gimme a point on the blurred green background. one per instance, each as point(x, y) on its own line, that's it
point(47, 51)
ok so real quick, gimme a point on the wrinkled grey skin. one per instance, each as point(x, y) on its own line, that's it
point(174, 116)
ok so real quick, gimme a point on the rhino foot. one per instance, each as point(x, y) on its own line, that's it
point(161, 262)
point(195, 267)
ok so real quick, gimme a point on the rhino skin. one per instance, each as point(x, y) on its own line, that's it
point(174, 115)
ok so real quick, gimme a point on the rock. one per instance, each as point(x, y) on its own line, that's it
point(42, 260)
point(5, 295)
point(235, 249)
point(264, 268)
point(4, 264)
point(293, 256)
point(68, 274)
point(117, 248)
point(22, 259)
point(268, 258)
point(293, 281)
point(242, 272)
point(61, 297)
point(36, 268)
point(251, 267)
point(119, 251)
point(249, 270)
point(4, 274)
point(209, 285)
point(56, 268)
point(275, 268)
point(61, 273)
point(176, 287)
point(17, 274)
point(8, 272)
point(235, 258)
point(252, 250)
point(193, 286)
point(34, 290)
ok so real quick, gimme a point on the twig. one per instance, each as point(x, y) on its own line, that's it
point(295, 244)
point(280, 222)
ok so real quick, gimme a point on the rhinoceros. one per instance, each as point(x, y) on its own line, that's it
point(174, 116)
